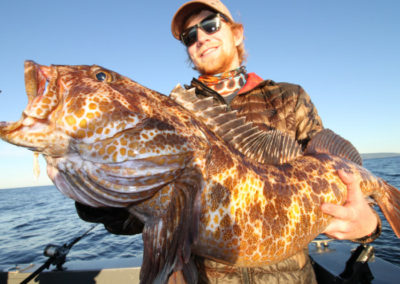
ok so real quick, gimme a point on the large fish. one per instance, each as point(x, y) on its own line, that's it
point(110, 142)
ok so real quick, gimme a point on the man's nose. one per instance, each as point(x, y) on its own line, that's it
point(202, 36)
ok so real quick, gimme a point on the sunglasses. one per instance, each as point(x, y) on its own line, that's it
point(210, 25)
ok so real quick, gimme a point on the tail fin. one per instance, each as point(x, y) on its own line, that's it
point(390, 206)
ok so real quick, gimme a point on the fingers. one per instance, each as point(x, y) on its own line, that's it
point(336, 230)
point(341, 224)
point(346, 177)
point(354, 218)
point(337, 211)
point(354, 193)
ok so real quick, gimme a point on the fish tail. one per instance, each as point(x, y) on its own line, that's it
point(389, 202)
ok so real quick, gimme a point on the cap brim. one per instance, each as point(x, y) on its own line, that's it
point(187, 10)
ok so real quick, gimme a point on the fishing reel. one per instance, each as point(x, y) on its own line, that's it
point(57, 254)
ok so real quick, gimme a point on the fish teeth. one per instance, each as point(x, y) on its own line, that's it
point(28, 121)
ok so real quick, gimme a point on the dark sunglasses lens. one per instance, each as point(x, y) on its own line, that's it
point(190, 36)
point(210, 26)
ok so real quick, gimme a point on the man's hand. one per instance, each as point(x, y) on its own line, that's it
point(353, 220)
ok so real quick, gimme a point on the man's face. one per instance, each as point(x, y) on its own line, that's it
point(214, 53)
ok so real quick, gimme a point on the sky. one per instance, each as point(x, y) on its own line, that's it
point(345, 54)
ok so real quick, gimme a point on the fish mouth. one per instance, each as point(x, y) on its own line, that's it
point(36, 79)
point(33, 126)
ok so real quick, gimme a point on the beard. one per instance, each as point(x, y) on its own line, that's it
point(226, 60)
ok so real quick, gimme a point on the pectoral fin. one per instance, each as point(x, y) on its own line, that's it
point(168, 238)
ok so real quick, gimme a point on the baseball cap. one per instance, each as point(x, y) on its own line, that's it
point(190, 7)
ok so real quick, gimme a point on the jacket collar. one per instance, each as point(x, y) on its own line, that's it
point(253, 80)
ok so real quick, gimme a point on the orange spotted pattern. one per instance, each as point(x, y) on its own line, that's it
point(109, 141)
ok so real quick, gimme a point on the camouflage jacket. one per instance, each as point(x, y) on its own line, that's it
point(269, 105)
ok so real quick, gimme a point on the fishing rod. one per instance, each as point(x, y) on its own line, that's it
point(57, 255)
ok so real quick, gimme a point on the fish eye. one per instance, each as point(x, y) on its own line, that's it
point(101, 76)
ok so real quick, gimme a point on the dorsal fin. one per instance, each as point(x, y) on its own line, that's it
point(202, 108)
point(223, 117)
point(215, 111)
point(227, 125)
point(179, 94)
point(326, 141)
point(201, 105)
point(270, 147)
point(239, 133)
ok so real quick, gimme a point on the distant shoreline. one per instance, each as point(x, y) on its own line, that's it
point(22, 187)
point(366, 156)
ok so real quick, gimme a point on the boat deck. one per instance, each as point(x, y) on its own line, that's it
point(329, 263)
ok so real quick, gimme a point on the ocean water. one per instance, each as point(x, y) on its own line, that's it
point(31, 218)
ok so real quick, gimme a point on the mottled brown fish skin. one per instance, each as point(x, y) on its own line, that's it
point(110, 142)
point(250, 221)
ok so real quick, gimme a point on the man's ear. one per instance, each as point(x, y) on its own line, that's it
point(238, 35)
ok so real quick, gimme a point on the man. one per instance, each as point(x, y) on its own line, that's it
point(215, 46)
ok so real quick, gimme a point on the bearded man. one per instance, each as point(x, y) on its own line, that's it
point(214, 43)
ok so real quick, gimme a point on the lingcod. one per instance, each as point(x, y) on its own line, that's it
point(111, 142)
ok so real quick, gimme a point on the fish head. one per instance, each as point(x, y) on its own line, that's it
point(80, 103)
point(107, 140)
